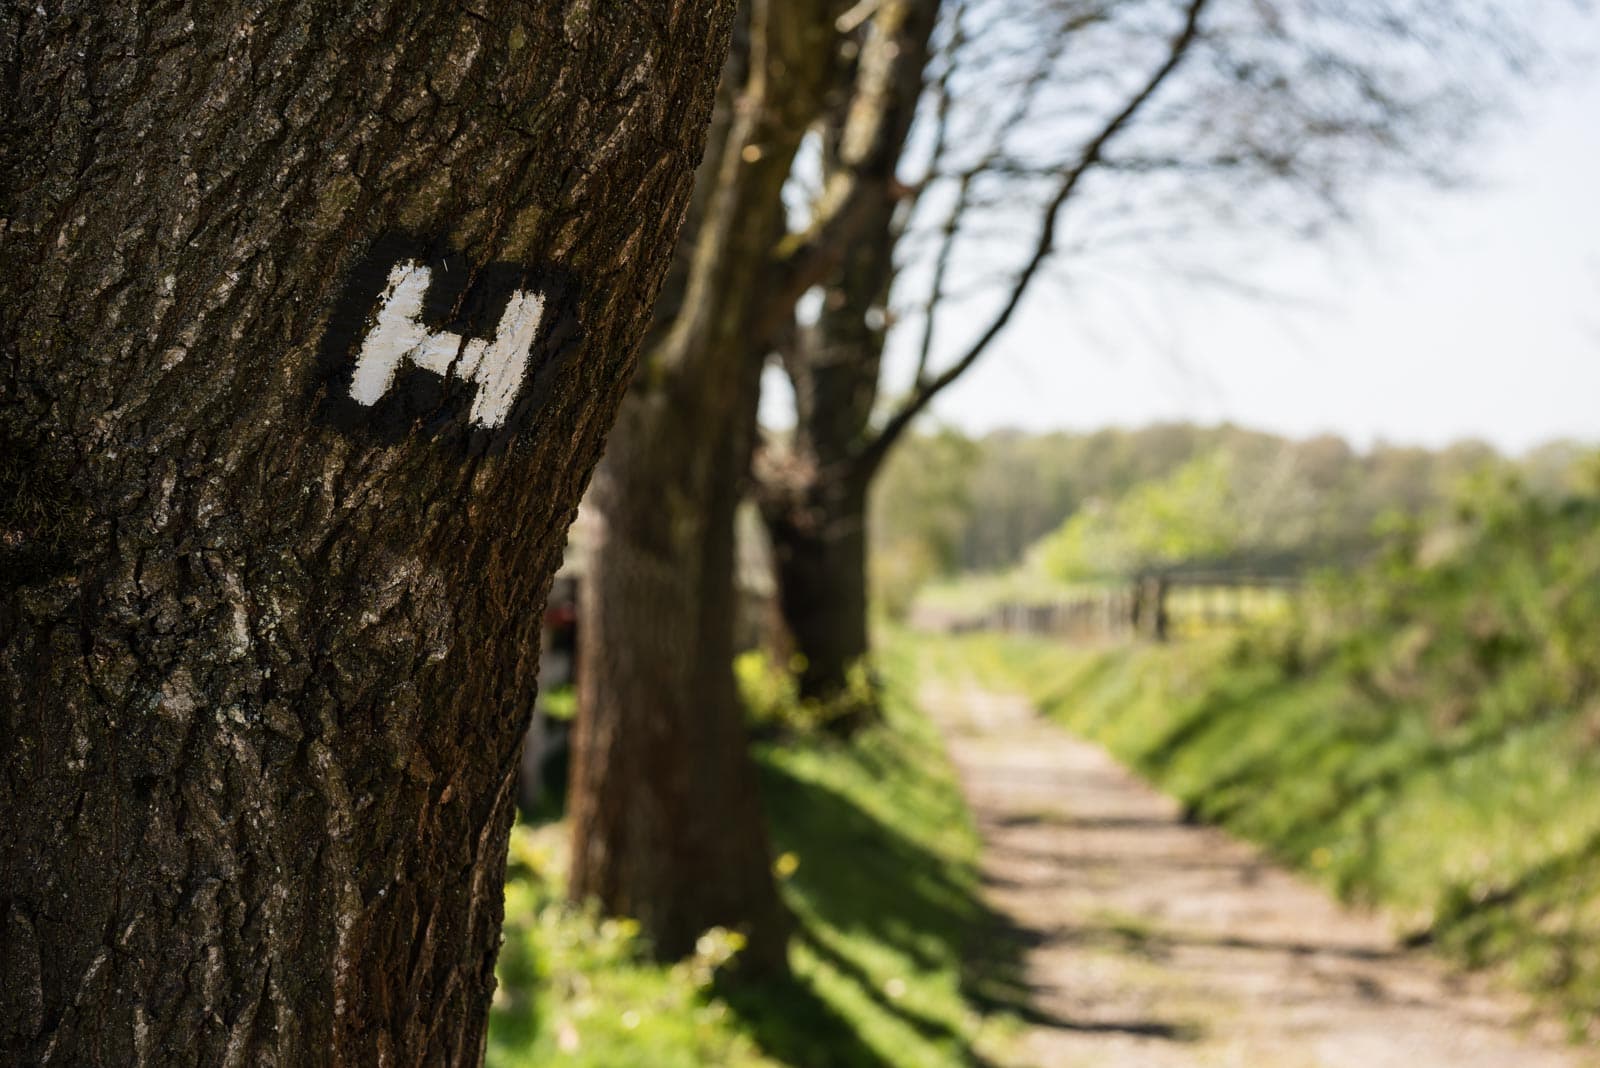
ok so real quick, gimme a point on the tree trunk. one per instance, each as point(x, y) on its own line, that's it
point(813, 493)
point(814, 500)
point(313, 317)
point(820, 554)
point(666, 822)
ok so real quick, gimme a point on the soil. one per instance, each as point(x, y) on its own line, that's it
point(1151, 942)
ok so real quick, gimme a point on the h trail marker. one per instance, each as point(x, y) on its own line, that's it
point(497, 366)
point(424, 341)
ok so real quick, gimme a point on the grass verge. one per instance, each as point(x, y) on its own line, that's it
point(877, 857)
point(1478, 829)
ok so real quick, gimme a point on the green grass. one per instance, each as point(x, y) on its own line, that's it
point(1423, 733)
point(1478, 829)
point(1198, 610)
point(976, 594)
point(876, 852)
point(574, 989)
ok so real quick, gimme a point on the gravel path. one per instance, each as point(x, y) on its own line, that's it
point(1153, 943)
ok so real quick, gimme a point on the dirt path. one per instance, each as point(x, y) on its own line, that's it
point(1153, 943)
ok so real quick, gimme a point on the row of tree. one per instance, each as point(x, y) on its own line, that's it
point(917, 165)
point(313, 320)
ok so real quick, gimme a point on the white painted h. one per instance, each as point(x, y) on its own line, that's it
point(496, 367)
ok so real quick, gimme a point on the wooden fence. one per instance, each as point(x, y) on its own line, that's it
point(1157, 606)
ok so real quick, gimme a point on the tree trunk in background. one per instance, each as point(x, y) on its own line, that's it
point(813, 493)
point(667, 825)
point(667, 822)
point(819, 550)
point(269, 628)
point(815, 503)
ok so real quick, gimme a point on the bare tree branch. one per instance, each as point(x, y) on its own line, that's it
point(889, 86)
point(1091, 156)
point(951, 229)
point(941, 142)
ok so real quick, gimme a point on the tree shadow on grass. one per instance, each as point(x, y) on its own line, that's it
point(1542, 916)
point(929, 1028)
point(863, 877)
point(792, 1023)
point(1210, 713)
point(1229, 795)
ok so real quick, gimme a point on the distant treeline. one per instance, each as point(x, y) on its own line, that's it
point(948, 503)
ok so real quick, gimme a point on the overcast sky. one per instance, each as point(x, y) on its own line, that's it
point(1450, 314)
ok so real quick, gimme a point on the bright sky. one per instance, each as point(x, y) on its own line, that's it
point(1473, 313)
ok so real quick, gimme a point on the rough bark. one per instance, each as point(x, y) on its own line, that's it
point(667, 825)
point(666, 819)
point(266, 652)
